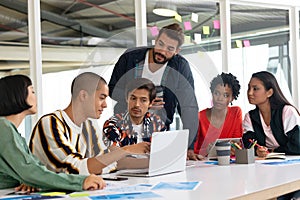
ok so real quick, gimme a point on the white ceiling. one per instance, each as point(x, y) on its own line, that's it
point(74, 24)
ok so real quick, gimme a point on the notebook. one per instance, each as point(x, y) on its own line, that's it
point(212, 153)
point(276, 155)
point(168, 154)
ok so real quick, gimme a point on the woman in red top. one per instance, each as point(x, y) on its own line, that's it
point(220, 121)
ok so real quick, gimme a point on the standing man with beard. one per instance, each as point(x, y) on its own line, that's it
point(170, 73)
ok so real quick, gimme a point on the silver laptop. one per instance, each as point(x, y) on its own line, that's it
point(168, 154)
point(212, 153)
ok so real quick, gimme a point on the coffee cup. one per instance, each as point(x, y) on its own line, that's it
point(223, 152)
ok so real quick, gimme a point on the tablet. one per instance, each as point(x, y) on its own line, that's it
point(211, 149)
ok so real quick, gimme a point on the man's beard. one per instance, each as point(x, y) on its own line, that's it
point(165, 60)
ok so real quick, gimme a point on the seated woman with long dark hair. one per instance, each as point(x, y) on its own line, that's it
point(274, 123)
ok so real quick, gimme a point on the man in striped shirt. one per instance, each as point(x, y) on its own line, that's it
point(57, 138)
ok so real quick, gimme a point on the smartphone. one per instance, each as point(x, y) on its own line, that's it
point(159, 91)
point(115, 178)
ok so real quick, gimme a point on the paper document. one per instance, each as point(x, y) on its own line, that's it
point(177, 185)
point(276, 156)
point(136, 195)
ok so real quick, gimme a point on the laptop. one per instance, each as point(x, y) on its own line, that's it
point(212, 153)
point(168, 154)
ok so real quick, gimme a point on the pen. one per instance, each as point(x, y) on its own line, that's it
point(233, 146)
point(237, 145)
point(255, 143)
point(242, 143)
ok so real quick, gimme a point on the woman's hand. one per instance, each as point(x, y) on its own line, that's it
point(262, 151)
point(191, 155)
point(93, 182)
point(26, 188)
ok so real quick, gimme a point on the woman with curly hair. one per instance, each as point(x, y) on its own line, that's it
point(221, 120)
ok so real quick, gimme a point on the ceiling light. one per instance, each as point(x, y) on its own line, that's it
point(165, 9)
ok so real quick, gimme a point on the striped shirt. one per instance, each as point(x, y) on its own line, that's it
point(62, 145)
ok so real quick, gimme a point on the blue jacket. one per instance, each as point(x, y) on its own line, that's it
point(177, 83)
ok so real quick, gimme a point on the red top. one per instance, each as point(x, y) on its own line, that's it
point(207, 133)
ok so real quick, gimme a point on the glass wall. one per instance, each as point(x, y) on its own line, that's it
point(14, 56)
point(91, 35)
point(259, 43)
point(13, 40)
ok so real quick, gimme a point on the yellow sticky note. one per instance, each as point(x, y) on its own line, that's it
point(205, 30)
point(178, 17)
point(53, 193)
point(239, 43)
point(187, 39)
point(79, 195)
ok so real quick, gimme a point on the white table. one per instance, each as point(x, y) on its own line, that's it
point(236, 181)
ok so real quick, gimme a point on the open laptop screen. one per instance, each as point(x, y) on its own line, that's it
point(167, 155)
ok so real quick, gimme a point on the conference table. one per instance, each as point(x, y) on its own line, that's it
point(235, 181)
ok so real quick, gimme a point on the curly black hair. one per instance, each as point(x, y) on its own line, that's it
point(226, 79)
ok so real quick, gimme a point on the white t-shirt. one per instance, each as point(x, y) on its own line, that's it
point(156, 76)
point(138, 129)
